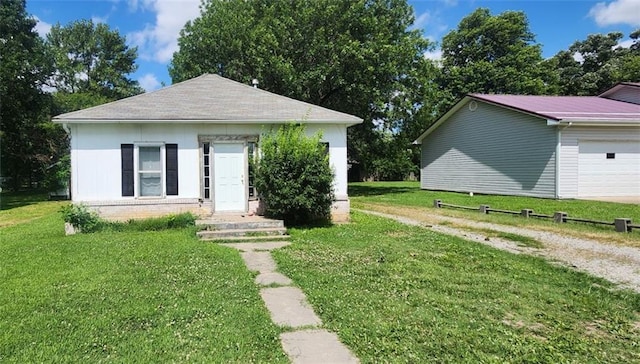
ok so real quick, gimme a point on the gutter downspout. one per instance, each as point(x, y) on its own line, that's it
point(67, 129)
point(558, 152)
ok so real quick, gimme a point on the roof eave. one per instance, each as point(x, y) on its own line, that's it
point(595, 122)
point(199, 121)
point(442, 119)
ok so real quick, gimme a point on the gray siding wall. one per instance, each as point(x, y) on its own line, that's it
point(491, 150)
point(627, 94)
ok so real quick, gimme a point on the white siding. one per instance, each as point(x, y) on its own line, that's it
point(96, 164)
point(491, 150)
point(571, 138)
point(336, 136)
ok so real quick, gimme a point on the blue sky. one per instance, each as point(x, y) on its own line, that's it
point(153, 25)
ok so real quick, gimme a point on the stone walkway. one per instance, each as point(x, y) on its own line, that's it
point(305, 341)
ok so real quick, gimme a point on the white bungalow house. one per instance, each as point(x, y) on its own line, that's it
point(541, 146)
point(186, 147)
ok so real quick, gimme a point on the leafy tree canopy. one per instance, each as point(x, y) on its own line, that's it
point(593, 65)
point(491, 54)
point(91, 58)
point(358, 57)
point(23, 71)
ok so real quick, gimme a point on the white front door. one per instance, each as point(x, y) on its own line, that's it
point(228, 176)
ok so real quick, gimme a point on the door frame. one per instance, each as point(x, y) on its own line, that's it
point(221, 139)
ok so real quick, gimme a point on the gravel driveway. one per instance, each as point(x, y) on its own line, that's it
point(617, 264)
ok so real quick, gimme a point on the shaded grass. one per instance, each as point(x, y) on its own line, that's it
point(127, 297)
point(396, 293)
point(10, 200)
point(521, 240)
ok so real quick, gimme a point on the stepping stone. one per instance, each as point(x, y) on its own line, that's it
point(288, 307)
point(267, 245)
point(259, 261)
point(265, 279)
point(315, 346)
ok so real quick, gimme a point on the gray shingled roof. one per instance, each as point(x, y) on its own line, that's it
point(209, 99)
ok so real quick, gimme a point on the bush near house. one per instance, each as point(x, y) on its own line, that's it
point(294, 178)
point(87, 221)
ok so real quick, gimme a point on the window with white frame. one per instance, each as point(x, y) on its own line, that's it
point(149, 171)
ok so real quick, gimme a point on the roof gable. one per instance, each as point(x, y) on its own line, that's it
point(624, 91)
point(581, 110)
point(211, 99)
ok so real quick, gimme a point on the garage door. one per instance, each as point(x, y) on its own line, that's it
point(608, 168)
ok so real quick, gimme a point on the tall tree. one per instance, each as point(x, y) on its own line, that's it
point(23, 105)
point(91, 58)
point(491, 54)
point(591, 66)
point(358, 56)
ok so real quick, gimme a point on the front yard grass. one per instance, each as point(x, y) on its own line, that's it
point(396, 293)
point(125, 297)
point(393, 196)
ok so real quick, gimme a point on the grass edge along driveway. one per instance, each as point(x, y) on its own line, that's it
point(405, 294)
point(372, 195)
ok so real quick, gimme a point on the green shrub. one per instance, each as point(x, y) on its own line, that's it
point(87, 221)
point(293, 176)
point(156, 223)
point(82, 219)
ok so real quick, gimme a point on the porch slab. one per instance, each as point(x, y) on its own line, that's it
point(288, 307)
point(315, 346)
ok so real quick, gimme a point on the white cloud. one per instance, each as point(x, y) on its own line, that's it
point(422, 20)
point(149, 82)
point(99, 19)
point(578, 57)
point(626, 43)
point(42, 27)
point(616, 12)
point(434, 55)
point(159, 41)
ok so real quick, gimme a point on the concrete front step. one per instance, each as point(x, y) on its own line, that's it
point(206, 235)
point(239, 223)
point(244, 232)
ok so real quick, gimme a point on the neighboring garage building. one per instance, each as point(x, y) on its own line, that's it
point(542, 146)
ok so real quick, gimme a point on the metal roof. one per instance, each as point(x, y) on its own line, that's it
point(567, 108)
point(578, 110)
point(207, 99)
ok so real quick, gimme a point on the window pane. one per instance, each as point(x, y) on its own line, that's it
point(149, 158)
point(150, 184)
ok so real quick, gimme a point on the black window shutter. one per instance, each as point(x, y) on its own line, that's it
point(172, 169)
point(126, 154)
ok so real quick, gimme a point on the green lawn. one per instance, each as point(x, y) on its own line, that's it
point(396, 293)
point(125, 297)
point(393, 293)
point(409, 196)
